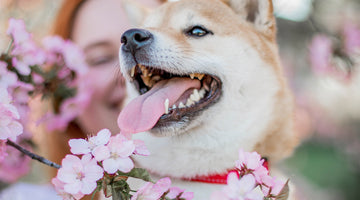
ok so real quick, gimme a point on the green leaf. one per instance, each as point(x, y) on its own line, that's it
point(139, 173)
point(120, 190)
point(284, 193)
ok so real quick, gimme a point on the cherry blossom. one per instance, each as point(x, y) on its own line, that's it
point(251, 163)
point(272, 186)
point(18, 31)
point(7, 78)
point(249, 160)
point(25, 55)
point(79, 175)
point(175, 192)
point(81, 146)
point(69, 110)
point(54, 44)
point(320, 51)
point(140, 148)
point(151, 191)
point(15, 165)
point(238, 189)
point(351, 38)
point(116, 154)
point(9, 126)
point(74, 58)
point(3, 153)
point(59, 187)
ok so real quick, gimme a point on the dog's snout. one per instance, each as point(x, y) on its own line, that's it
point(135, 39)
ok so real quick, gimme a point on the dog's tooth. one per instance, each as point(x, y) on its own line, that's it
point(174, 107)
point(189, 102)
point(192, 76)
point(202, 93)
point(197, 94)
point(166, 103)
point(200, 76)
point(132, 73)
point(181, 105)
point(192, 97)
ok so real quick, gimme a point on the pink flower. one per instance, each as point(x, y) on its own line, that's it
point(140, 148)
point(251, 163)
point(16, 164)
point(275, 184)
point(351, 38)
point(25, 55)
point(249, 160)
point(54, 44)
point(238, 189)
point(74, 58)
point(54, 122)
point(69, 110)
point(18, 31)
point(7, 78)
point(320, 54)
point(20, 92)
point(79, 175)
point(38, 79)
point(3, 153)
point(116, 154)
point(9, 127)
point(59, 187)
point(175, 193)
point(71, 107)
point(152, 191)
point(81, 146)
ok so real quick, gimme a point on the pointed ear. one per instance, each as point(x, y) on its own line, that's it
point(135, 12)
point(257, 12)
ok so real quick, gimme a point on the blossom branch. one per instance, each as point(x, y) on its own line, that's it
point(32, 155)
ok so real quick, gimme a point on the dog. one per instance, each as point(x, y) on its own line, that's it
point(204, 80)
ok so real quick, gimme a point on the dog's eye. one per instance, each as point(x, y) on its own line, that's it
point(198, 31)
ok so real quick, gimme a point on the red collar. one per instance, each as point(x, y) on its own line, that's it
point(219, 178)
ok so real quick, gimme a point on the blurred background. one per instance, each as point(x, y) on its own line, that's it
point(320, 49)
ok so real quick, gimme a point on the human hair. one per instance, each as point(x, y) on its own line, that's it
point(64, 21)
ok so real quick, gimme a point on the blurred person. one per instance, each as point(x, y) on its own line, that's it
point(96, 27)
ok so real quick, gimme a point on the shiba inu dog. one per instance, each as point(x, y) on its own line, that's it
point(204, 80)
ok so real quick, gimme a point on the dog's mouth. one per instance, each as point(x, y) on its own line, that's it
point(168, 96)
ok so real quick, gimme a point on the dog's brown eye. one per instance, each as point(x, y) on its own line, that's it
point(197, 31)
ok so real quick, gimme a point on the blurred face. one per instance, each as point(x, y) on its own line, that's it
point(97, 30)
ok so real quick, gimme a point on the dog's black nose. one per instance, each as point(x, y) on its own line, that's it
point(135, 39)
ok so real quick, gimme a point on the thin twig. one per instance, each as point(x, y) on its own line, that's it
point(9, 47)
point(32, 155)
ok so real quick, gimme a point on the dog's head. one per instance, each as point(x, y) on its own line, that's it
point(208, 69)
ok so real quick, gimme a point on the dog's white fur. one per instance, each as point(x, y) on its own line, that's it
point(255, 110)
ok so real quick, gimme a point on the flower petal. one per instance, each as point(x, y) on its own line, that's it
point(79, 146)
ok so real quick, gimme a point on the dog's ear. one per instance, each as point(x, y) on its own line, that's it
point(257, 12)
point(135, 12)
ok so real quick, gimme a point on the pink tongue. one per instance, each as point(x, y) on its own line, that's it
point(142, 113)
